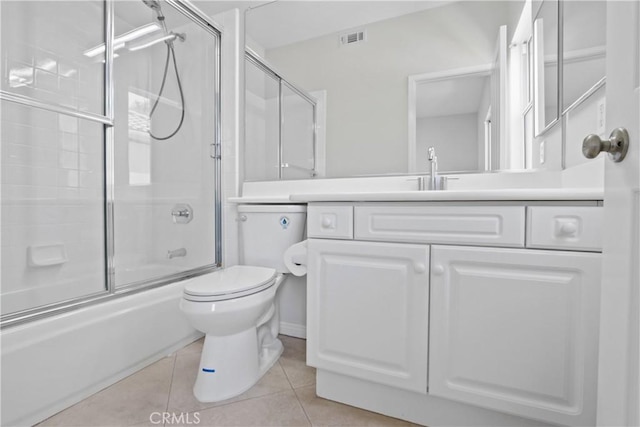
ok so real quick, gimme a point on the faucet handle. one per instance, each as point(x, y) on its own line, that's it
point(431, 153)
point(421, 182)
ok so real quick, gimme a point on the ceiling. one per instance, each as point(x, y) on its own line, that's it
point(279, 23)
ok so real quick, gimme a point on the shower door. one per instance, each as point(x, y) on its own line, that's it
point(164, 188)
point(110, 174)
point(52, 138)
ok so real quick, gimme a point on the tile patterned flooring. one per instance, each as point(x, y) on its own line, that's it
point(285, 396)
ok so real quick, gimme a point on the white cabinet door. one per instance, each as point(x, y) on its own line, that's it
point(516, 331)
point(367, 311)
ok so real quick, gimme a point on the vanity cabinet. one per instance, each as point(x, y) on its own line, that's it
point(367, 312)
point(463, 296)
point(516, 331)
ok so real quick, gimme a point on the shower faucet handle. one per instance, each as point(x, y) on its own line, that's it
point(182, 213)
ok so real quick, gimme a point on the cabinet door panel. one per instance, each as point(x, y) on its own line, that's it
point(516, 331)
point(367, 313)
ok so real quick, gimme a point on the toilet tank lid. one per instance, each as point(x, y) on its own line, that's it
point(238, 278)
point(272, 208)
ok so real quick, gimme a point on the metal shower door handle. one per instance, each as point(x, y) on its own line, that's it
point(617, 145)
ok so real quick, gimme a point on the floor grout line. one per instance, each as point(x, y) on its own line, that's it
point(286, 375)
point(173, 371)
point(302, 406)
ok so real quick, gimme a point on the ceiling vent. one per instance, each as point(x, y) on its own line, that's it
point(354, 37)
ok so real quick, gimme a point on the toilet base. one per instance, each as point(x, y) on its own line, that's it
point(232, 364)
point(269, 355)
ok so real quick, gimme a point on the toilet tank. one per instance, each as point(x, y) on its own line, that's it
point(266, 231)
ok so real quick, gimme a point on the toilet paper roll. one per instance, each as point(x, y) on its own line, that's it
point(295, 258)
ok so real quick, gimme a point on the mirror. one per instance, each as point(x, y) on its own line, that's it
point(583, 69)
point(453, 115)
point(546, 70)
point(362, 54)
point(458, 113)
point(584, 42)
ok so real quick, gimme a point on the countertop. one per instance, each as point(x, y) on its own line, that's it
point(520, 194)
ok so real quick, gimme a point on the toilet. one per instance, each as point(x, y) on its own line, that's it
point(235, 307)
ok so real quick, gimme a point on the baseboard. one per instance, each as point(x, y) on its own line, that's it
point(293, 330)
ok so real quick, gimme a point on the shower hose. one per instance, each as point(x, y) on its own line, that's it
point(171, 55)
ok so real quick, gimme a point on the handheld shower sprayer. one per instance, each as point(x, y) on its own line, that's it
point(153, 4)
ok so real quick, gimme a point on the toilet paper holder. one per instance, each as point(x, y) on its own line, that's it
point(295, 258)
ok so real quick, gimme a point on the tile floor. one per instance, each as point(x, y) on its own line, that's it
point(285, 396)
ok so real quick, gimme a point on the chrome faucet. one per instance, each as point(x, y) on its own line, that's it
point(436, 182)
point(433, 169)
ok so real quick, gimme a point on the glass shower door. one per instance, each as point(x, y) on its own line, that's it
point(52, 136)
point(165, 178)
point(109, 131)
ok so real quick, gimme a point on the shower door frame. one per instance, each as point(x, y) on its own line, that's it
point(198, 17)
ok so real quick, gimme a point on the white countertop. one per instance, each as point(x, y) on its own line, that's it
point(523, 194)
point(261, 200)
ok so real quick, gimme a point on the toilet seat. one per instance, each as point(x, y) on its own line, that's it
point(229, 283)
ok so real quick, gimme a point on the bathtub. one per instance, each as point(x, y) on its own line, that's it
point(53, 363)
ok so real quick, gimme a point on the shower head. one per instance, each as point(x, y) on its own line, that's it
point(152, 4)
point(155, 6)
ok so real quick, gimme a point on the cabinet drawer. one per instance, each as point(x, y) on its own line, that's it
point(481, 225)
point(565, 227)
point(330, 221)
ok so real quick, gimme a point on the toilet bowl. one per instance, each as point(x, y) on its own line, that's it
point(236, 308)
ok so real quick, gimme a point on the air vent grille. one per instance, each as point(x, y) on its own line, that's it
point(354, 37)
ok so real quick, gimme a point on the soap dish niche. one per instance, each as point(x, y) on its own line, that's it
point(46, 255)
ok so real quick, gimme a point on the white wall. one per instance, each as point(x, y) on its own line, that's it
point(292, 300)
point(233, 130)
point(455, 139)
point(367, 83)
